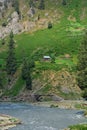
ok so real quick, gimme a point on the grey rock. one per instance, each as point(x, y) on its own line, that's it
point(56, 98)
point(31, 12)
point(46, 14)
point(14, 17)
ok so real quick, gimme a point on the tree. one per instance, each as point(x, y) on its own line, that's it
point(31, 3)
point(64, 2)
point(85, 93)
point(41, 5)
point(15, 4)
point(11, 64)
point(1, 84)
point(26, 73)
point(3, 41)
point(5, 4)
point(49, 25)
point(82, 64)
point(24, 69)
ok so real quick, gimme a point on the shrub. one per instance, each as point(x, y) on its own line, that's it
point(4, 24)
point(49, 25)
point(85, 93)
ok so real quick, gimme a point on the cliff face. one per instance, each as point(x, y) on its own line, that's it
point(29, 19)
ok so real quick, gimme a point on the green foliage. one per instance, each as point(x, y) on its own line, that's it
point(11, 64)
point(64, 2)
point(26, 73)
point(31, 3)
point(79, 127)
point(4, 24)
point(16, 88)
point(85, 93)
point(24, 69)
point(82, 64)
point(42, 5)
point(49, 25)
point(5, 4)
point(1, 80)
point(3, 41)
point(29, 81)
point(16, 6)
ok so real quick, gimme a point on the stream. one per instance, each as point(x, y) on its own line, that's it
point(41, 118)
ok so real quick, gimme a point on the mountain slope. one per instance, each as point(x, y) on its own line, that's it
point(35, 40)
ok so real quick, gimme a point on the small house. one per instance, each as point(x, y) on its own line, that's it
point(47, 58)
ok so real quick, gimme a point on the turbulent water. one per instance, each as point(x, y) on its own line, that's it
point(41, 118)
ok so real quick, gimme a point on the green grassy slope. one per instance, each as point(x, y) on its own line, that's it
point(64, 38)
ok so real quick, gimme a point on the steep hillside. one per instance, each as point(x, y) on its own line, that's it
point(34, 40)
point(29, 17)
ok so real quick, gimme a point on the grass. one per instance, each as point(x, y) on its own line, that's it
point(81, 106)
point(61, 39)
point(45, 42)
point(79, 127)
point(16, 88)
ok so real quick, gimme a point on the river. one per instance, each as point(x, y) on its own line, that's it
point(41, 118)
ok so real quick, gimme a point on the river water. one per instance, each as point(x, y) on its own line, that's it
point(41, 118)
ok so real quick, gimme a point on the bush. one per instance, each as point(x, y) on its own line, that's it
point(49, 25)
point(4, 24)
point(3, 41)
point(85, 93)
point(64, 2)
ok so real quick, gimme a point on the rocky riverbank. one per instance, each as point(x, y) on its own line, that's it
point(64, 104)
point(7, 121)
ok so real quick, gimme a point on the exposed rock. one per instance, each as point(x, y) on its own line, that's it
point(13, 25)
point(46, 14)
point(14, 17)
point(28, 25)
point(56, 98)
point(31, 12)
point(16, 26)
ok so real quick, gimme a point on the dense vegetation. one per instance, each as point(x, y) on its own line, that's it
point(79, 127)
point(82, 64)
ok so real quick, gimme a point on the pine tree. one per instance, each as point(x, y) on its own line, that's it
point(41, 5)
point(11, 64)
point(64, 2)
point(82, 64)
point(1, 84)
point(31, 3)
point(49, 25)
point(3, 41)
point(24, 69)
point(26, 74)
point(29, 81)
point(15, 4)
